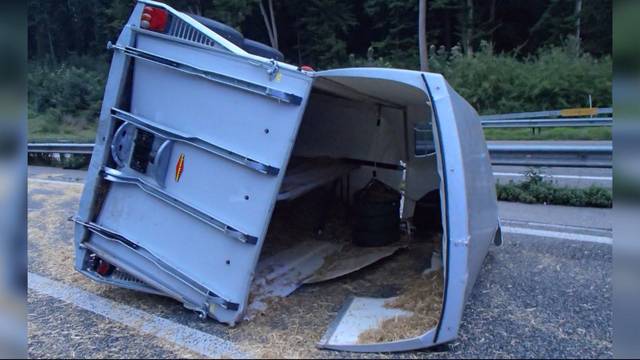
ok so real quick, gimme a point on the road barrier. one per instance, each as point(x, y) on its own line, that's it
point(551, 155)
point(61, 148)
point(553, 118)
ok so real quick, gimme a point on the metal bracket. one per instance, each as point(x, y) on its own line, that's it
point(121, 149)
point(114, 236)
point(273, 69)
point(172, 134)
point(120, 177)
point(275, 94)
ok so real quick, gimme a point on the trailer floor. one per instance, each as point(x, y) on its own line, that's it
point(535, 297)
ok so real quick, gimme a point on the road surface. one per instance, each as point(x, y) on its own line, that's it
point(545, 293)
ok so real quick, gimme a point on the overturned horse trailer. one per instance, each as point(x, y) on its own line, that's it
point(206, 138)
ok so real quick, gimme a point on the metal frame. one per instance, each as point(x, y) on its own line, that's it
point(113, 236)
point(175, 135)
point(224, 43)
point(114, 175)
point(251, 87)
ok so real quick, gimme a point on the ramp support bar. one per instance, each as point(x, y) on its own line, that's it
point(120, 177)
point(271, 93)
point(175, 135)
point(113, 236)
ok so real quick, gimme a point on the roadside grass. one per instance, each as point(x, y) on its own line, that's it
point(536, 190)
point(47, 128)
point(558, 133)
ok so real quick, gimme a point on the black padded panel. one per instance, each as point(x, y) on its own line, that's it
point(260, 49)
point(234, 36)
point(221, 29)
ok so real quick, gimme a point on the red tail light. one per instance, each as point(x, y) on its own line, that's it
point(104, 268)
point(306, 68)
point(154, 19)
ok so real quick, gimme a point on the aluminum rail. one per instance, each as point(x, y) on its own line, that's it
point(551, 155)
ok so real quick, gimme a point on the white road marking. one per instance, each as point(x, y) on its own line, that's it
point(558, 235)
point(47, 181)
point(572, 177)
point(206, 344)
point(557, 226)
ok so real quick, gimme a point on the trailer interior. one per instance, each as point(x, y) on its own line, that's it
point(356, 135)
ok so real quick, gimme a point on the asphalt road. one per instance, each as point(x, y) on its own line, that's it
point(545, 293)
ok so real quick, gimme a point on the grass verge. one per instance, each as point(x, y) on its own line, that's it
point(46, 128)
point(559, 133)
point(535, 190)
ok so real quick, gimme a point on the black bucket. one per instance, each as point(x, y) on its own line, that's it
point(376, 215)
point(427, 216)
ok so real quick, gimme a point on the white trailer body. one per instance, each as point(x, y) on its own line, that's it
point(192, 154)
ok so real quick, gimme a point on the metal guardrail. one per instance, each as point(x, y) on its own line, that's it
point(561, 118)
point(539, 114)
point(61, 148)
point(537, 123)
point(551, 155)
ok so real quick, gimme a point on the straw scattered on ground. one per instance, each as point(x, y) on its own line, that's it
point(290, 327)
point(423, 298)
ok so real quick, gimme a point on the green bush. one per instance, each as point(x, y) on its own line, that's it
point(554, 78)
point(534, 189)
point(65, 97)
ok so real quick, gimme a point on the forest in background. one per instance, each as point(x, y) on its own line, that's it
point(501, 55)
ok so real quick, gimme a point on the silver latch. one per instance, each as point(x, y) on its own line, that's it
point(273, 69)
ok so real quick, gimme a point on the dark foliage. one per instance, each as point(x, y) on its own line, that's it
point(502, 55)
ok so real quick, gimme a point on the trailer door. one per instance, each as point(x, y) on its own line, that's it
point(470, 216)
point(190, 154)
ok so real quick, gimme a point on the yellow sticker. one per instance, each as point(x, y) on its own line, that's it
point(579, 112)
point(179, 167)
point(278, 76)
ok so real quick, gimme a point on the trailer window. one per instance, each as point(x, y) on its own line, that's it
point(423, 139)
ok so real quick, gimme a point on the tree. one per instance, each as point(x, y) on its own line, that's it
point(270, 23)
point(323, 26)
point(467, 31)
point(577, 13)
point(395, 35)
point(596, 25)
point(422, 35)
